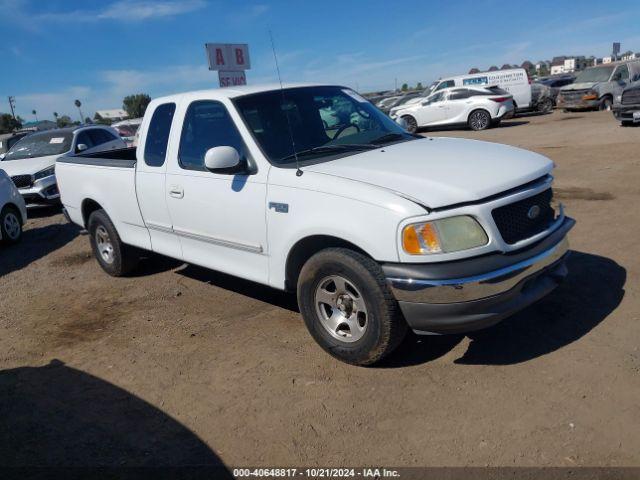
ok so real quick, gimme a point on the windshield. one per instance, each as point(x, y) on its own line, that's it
point(600, 74)
point(322, 122)
point(41, 145)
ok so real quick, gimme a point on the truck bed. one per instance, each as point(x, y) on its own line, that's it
point(107, 179)
point(121, 158)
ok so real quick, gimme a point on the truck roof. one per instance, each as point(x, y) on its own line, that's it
point(233, 92)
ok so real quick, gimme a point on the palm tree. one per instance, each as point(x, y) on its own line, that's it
point(78, 104)
point(35, 114)
point(55, 115)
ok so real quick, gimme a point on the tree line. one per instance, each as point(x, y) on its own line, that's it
point(135, 105)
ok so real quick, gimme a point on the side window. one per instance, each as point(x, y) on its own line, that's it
point(155, 148)
point(207, 124)
point(98, 136)
point(447, 84)
point(83, 137)
point(459, 94)
point(624, 73)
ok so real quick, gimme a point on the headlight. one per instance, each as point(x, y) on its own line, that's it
point(47, 172)
point(590, 95)
point(443, 236)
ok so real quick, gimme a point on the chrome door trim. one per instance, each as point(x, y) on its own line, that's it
point(219, 241)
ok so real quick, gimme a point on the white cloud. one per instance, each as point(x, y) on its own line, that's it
point(144, 10)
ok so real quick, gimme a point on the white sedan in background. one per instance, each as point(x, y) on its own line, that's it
point(477, 107)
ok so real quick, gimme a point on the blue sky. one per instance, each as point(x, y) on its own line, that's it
point(54, 51)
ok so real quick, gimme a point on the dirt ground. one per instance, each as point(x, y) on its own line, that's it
point(182, 365)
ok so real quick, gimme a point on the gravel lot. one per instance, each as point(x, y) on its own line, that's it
point(183, 365)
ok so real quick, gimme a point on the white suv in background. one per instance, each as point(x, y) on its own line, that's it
point(31, 162)
point(477, 107)
point(13, 212)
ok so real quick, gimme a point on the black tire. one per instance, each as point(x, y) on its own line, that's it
point(10, 225)
point(412, 124)
point(545, 105)
point(124, 258)
point(384, 325)
point(606, 104)
point(626, 123)
point(479, 120)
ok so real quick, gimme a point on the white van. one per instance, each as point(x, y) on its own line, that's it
point(515, 81)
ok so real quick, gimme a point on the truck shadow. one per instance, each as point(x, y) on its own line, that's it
point(592, 290)
point(251, 289)
point(36, 243)
point(56, 417)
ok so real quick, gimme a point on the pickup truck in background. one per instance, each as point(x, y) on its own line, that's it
point(376, 230)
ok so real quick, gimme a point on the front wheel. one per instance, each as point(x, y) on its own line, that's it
point(606, 104)
point(10, 225)
point(115, 258)
point(411, 123)
point(348, 307)
point(479, 120)
point(545, 105)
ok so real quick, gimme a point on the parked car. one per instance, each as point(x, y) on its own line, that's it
point(13, 212)
point(626, 108)
point(127, 129)
point(596, 87)
point(387, 101)
point(556, 82)
point(541, 100)
point(515, 81)
point(403, 100)
point(31, 161)
point(8, 140)
point(375, 229)
point(477, 108)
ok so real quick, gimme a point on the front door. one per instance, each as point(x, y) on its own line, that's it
point(219, 218)
point(434, 110)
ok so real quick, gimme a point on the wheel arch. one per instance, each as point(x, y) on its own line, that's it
point(87, 208)
point(308, 246)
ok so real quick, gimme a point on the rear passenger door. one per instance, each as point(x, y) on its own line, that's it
point(151, 179)
point(219, 218)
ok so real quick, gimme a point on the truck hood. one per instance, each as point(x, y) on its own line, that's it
point(579, 86)
point(28, 166)
point(438, 172)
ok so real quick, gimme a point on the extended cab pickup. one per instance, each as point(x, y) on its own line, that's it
point(376, 229)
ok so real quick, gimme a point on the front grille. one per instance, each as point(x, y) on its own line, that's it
point(514, 220)
point(573, 95)
point(631, 97)
point(22, 181)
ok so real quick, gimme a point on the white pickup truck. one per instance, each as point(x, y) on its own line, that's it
point(377, 230)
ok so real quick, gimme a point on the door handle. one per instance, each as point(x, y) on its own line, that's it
point(176, 191)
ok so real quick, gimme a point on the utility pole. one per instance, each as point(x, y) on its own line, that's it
point(396, 88)
point(12, 106)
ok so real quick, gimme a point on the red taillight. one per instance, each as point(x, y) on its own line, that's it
point(500, 99)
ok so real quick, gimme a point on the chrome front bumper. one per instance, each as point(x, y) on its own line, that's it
point(478, 286)
point(442, 299)
point(44, 191)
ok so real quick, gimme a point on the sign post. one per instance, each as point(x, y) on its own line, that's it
point(231, 60)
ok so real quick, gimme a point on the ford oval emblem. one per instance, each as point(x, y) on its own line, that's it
point(533, 212)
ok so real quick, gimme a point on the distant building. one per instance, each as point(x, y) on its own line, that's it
point(607, 59)
point(506, 66)
point(493, 68)
point(528, 66)
point(473, 70)
point(629, 56)
point(574, 64)
point(115, 115)
point(557, 65)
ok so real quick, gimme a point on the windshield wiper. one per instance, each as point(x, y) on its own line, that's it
point(389, 137)
point(329, 148)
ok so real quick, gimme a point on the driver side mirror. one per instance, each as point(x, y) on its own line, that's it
point(223, 159)
point(81, 147)
point(2, 155)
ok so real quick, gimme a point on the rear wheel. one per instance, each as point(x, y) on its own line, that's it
point(479, 120)
point(412, 124)
point(10, 225)
point(348, 308)
point(115, 258)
